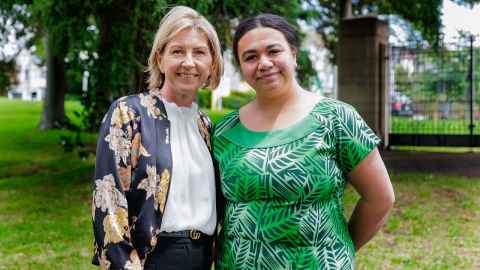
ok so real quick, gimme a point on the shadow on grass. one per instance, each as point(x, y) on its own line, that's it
point(46, 220)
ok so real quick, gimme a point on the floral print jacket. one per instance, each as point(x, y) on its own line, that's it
point(132, 179)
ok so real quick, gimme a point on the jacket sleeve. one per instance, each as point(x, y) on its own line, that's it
point(113, 170)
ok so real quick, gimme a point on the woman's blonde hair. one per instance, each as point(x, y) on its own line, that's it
point(176, 20)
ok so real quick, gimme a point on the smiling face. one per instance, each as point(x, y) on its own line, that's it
point(186, 62)
point(267, 60)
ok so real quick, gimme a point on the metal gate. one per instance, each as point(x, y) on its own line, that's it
point(433, 101)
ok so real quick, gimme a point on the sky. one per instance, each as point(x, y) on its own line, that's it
point(457, 17)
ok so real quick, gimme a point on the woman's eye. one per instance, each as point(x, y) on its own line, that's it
point(176, 51)
point(274, 52)
point(249, 58)
point(200, 52)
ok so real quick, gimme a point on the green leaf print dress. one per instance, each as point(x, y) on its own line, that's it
point(284, 189)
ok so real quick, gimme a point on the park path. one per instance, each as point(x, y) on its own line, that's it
point(462, 164)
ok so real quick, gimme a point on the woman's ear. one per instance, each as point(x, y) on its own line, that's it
point(295, 54)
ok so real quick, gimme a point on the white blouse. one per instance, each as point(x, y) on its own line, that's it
point(191, 198)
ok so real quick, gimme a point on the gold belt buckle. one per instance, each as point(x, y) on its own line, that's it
point(194, 234)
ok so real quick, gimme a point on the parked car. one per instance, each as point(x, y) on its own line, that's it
point(400, 104)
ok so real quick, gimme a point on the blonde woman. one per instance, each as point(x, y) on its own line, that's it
point(154, 203)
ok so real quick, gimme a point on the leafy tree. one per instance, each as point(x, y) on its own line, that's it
point(112, 39)
point(425, 16)
point(57, 24)
point(468, 3)
point(125, 35)
point(7, 75)
point(8, 69)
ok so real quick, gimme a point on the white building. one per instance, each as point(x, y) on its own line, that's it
point(326, 80)
point(31, 78)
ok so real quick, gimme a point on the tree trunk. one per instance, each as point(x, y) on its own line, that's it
point(110, 19)
point(53, 115)
point(100, 96)
point(105, 56)
point(141, 54)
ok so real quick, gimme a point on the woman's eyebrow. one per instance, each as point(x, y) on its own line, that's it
point(251, 51)
point(274, 45)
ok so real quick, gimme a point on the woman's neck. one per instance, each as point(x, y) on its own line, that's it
point(181, 100)
point(276, 101)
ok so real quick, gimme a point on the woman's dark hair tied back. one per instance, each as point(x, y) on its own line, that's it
point(265, 20)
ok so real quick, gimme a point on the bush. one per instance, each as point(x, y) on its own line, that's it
point(204, 98)
point(234, 101)
point(237, 99)
point(216, 116)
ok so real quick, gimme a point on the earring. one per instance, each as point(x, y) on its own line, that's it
point(206, 83)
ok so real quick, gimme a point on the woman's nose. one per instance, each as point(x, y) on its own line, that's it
point(188, 60)
point(264, 63)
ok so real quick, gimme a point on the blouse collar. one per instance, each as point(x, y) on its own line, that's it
point(173, 107)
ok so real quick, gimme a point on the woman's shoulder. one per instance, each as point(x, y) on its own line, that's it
point(129, 100)
point(331, 106)
point(140, 104)
point(227, 122)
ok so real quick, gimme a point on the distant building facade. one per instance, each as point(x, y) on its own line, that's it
point(31, 78)
point(326, 80)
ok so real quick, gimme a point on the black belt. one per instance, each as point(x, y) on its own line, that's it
point(191, 234)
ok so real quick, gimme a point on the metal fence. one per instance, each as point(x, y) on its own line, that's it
point(433, 99)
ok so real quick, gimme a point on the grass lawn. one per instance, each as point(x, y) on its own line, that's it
point(45, 207)
point(44, 194)
point(404, 125)
point(434, 225)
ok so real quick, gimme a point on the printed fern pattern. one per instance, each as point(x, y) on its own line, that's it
point(285, 202)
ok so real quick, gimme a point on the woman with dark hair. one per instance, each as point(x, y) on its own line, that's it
point(285, 159)
point(154, 197)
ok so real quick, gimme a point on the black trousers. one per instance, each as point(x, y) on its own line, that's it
point(173, 253)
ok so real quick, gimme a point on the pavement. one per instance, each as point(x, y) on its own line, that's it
point(461, 164)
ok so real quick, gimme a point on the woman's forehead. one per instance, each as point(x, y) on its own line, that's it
point(261, 37)
point(189, 36)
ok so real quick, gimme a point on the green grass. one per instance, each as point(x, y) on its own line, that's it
point(44, 194)
point(403, 125)
point(45, 207)
point(434, 225)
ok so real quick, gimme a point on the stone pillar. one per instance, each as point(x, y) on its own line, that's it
point(362, 59)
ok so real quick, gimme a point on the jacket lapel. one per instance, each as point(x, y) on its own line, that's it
point(205, 127)
point(164, 154)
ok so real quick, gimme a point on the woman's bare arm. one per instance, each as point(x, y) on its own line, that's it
point(370, 179)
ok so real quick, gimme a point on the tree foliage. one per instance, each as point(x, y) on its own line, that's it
point(7, 75)
point(55, 25)
point(425, 16)
point(112, 39)
point(468, 3)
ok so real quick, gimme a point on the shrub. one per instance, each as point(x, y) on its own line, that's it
point(237, 99)
point(204, 98)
